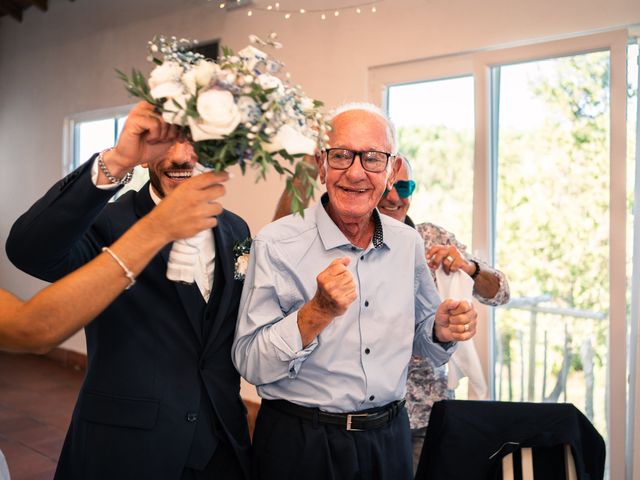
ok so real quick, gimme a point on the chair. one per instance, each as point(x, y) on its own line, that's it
point(478, 440)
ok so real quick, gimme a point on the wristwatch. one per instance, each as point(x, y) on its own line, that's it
point(477, 272)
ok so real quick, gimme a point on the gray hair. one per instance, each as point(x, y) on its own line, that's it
point(371, 108)
point(406, 164)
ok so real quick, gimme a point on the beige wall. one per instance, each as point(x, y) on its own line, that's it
point(61, 62)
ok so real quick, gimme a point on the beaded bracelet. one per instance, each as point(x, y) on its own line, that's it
point(127, 272)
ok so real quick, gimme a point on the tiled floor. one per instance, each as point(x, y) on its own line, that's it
point(36, 399)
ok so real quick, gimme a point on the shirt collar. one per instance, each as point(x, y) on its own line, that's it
point(331, 235)
point(154, 196)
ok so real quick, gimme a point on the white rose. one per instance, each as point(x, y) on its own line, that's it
point(173, 113)
point(164, 81)
point(292, 140)
point(242, 263)
point(201, 75)
point(219, 116)
point(252, 56)
point(268, 82)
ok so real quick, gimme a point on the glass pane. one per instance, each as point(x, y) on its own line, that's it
point(435, 122)
point(438, 140)
point(552, 232)
point(92, 137)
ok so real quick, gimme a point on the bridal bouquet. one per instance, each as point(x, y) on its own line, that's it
point(235, 109)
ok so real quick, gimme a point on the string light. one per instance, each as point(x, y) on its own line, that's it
point(322, 12)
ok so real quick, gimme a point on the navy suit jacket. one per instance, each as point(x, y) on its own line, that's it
point(147, 363)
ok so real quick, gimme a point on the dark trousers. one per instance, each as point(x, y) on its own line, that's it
point(223, 465)
point(288, 447)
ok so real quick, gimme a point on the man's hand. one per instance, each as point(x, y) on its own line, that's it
point(191, 207)
point(455, 321)
point(336, 291)
point(145, 138)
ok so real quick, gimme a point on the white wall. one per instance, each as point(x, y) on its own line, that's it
point(62, 62)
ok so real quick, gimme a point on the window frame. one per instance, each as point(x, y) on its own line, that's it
point(481, 65)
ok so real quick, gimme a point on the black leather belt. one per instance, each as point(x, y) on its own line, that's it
point(357, 421)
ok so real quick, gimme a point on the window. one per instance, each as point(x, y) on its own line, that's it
point(548, 208)
point(92, 132)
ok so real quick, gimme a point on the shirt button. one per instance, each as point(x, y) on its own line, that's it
point(372, 398)
point(192, 417)
point(367, 351)
point(366, 303)
point(353, 249)
point(362, 257)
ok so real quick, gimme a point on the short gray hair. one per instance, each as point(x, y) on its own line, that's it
point(406, 163)
point(368, 107)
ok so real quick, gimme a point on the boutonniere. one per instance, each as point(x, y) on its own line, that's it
point(241, 252)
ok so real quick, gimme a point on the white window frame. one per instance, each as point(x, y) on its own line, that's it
point(69, 138)
point(480, 64)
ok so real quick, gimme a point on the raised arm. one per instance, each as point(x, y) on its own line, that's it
point(61, 309)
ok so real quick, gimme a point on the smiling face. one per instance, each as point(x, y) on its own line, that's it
point(174, 169)
point(392, 204)
point(354, 192)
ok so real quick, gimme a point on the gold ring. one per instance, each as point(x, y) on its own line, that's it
point(450, 258)
point(466, 327)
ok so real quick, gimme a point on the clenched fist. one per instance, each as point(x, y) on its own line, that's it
point(455, 321)
point(336, 291)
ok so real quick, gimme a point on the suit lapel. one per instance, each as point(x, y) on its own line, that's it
point(189, 295)
point(223, 240)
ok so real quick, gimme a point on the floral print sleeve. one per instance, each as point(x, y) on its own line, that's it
point(436, 235)
point(427, 384)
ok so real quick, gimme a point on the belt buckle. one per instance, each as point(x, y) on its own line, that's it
point(350, 420)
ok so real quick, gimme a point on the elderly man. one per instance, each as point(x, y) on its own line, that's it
point(333, 306)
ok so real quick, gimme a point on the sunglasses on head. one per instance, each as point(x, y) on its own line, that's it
point(404, 188)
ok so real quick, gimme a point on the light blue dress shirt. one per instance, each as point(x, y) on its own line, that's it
point(360, 359)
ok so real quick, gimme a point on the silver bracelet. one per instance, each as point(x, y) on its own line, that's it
point(121, 181)
point(127, 272)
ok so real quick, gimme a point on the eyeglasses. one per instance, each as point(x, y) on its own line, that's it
point(404, 188)
point(371, 160)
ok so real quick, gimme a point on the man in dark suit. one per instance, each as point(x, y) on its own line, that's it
point(161, 397)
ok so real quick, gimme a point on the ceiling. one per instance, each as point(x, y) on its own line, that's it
point(15, 8)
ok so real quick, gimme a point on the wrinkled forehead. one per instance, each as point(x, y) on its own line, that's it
point(361, 130)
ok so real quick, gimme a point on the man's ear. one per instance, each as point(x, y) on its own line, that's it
point(395, 168)
point(321, 163)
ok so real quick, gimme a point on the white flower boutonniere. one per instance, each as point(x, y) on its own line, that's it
point(241, 251)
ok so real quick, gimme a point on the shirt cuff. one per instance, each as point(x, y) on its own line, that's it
point(285, 337)
point(94, 178)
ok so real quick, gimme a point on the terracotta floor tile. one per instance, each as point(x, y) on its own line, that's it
point(37, 397)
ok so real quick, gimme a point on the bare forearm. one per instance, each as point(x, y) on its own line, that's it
point(61, 309)
point(312, 320)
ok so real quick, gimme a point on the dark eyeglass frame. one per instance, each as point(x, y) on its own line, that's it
point(358, 153)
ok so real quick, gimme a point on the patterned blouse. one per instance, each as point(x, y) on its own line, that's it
point(427, 384)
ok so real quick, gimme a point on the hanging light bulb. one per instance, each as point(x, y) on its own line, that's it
point(302, 10)
point(336, 13)
point(323, 16)
point(287, 16)
point(269, 7)
point(222, 5)
point(249, 13)
point(277, 5)
point(358, 10)
point(374, 9)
